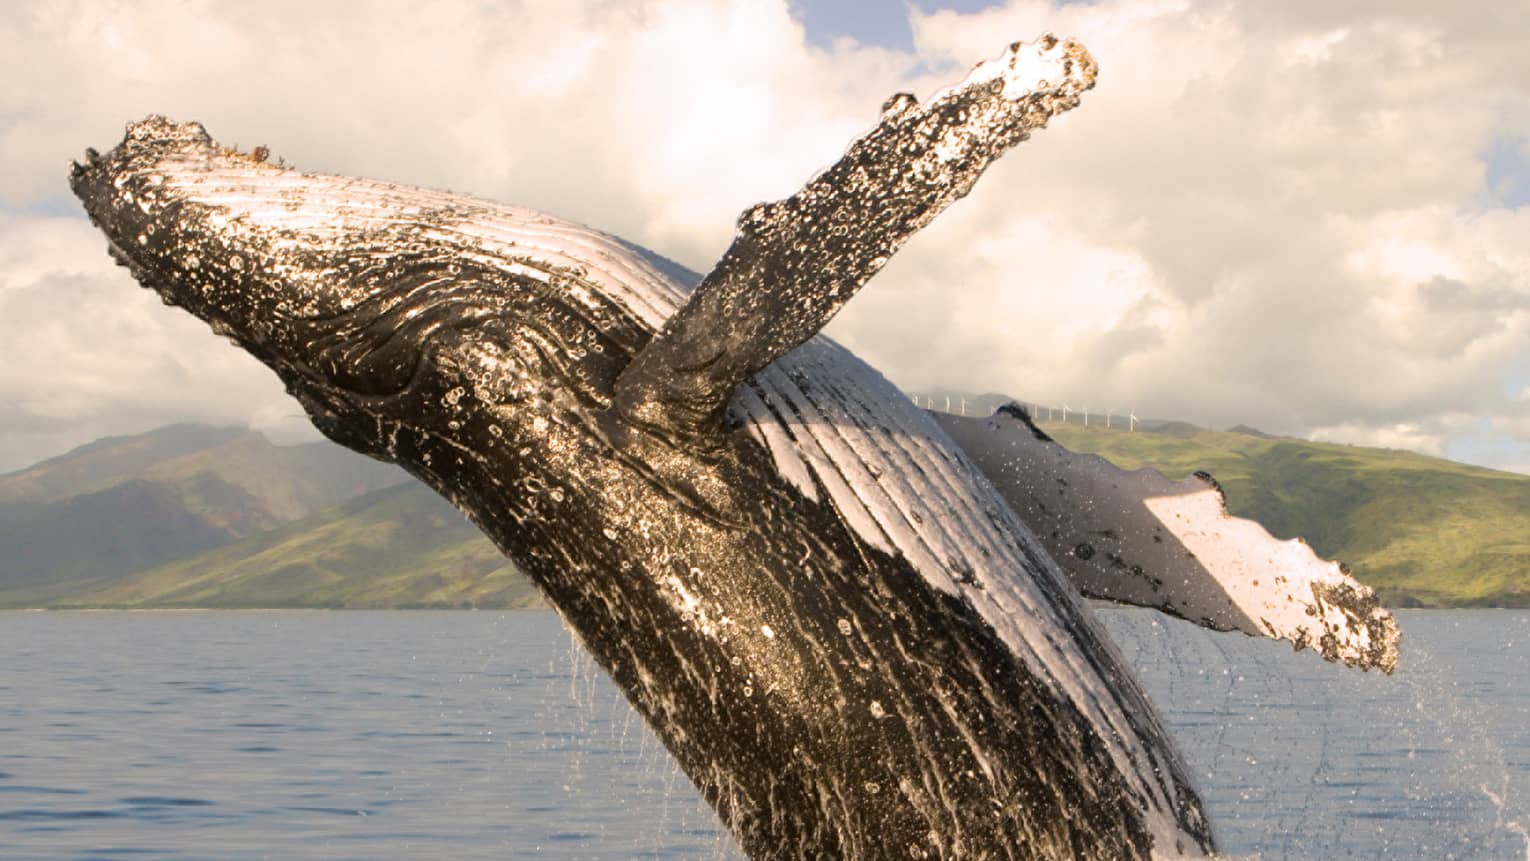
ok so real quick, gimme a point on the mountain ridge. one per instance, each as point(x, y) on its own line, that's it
point(191, 516)
point(125, 504)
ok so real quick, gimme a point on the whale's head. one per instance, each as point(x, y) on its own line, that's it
point(371, 302)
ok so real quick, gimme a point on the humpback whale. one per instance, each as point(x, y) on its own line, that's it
point(829, 611)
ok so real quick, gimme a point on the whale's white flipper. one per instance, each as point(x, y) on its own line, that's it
point(1140, 538)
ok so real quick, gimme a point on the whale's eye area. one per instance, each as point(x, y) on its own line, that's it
point(432, 311)
point(377, 346)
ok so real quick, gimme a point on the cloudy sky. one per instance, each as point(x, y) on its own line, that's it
point(1308, 216)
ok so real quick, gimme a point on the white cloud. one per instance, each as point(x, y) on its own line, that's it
point(1290, 198)
point(86, 354)
point(1265, 213)
point(1425, 438)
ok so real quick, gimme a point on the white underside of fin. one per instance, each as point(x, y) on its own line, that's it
point(1140, 538)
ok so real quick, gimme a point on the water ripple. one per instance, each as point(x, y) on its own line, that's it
point(327, 736)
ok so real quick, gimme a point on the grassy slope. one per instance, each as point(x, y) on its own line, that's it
point(125, 504)
point(1419, 529)
point(109, 461)
point(398, 547)
point(288, 481)
point(116, 531)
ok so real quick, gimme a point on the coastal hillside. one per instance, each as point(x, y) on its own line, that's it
point(121, 505)
point(403, 546)
point(1420, 530)
point(199, 517)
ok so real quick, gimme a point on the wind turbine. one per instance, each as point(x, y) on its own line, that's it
point(1108, 414)
point(1065, 413)
point(948, 403)
point(1132, 417)
point(1086, 416)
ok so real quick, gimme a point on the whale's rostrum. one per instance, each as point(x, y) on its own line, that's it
point(831, 618)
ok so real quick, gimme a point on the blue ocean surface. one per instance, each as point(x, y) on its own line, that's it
point(463, 735)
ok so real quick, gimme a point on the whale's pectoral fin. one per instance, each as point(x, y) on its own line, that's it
point(1140, 538)
point(795, 262)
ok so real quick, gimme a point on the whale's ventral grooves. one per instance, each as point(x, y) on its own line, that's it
point(828, 615)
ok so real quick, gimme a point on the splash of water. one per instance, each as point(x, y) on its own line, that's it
point(1477, 755)
point(1511, 826)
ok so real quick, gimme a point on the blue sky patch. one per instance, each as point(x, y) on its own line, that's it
point(53, 206)
point(883, 23)
point(1484, 446)
point(1507, 180)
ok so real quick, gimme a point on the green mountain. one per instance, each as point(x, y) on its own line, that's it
point(1420, 530)
point(399, 547)
point(197, 517)
point(125, 504)
point(109, 461)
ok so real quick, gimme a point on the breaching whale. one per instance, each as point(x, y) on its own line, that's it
point(834, 620)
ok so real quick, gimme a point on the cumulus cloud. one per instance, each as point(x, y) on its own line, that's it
point(1265, 213)
point(1276, 214)
point(658, 122)
point(86, 354)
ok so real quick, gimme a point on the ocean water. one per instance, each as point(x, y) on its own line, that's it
point(319, 735)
